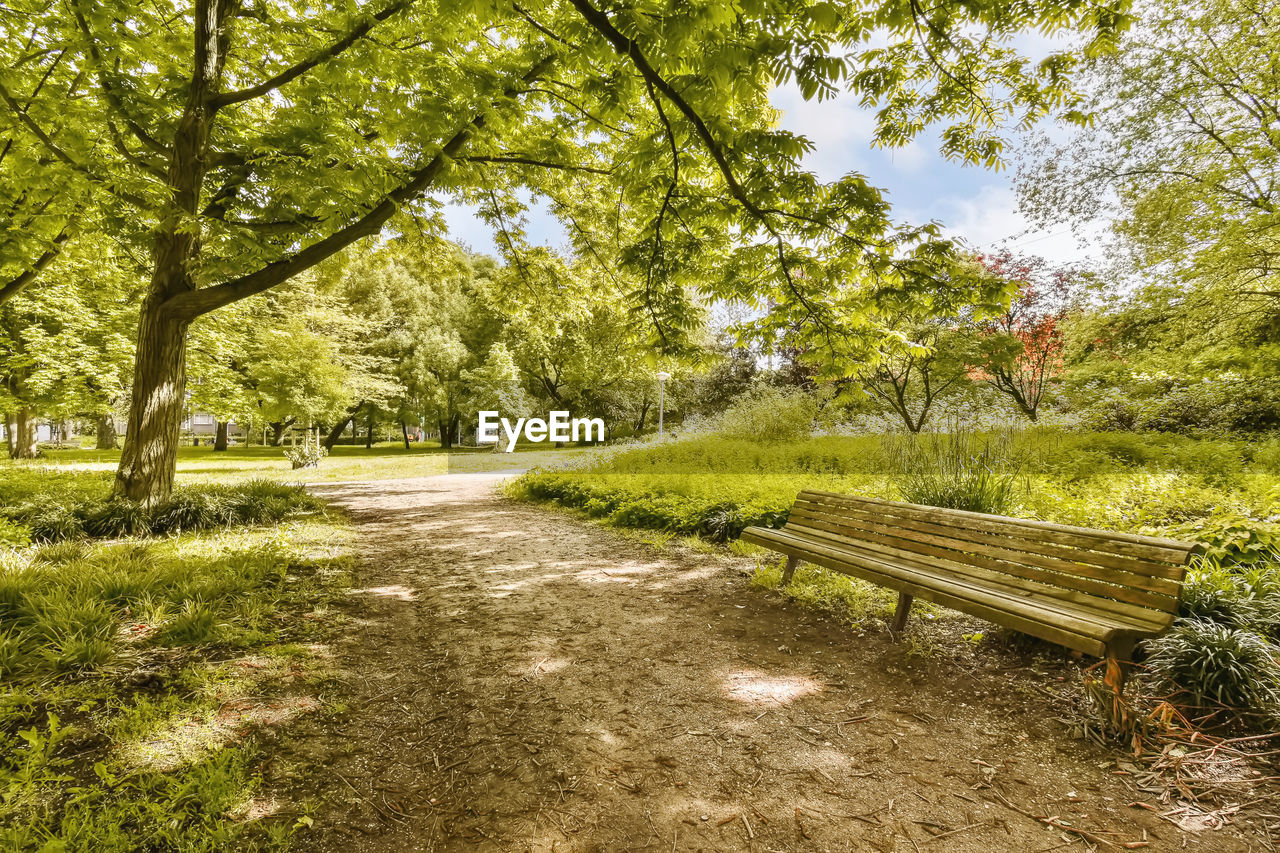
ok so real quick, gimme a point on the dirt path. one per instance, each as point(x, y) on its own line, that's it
point(520, 680)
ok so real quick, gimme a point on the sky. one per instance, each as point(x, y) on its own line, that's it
point(975, 204)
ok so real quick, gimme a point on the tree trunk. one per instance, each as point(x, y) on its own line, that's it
point(336, 433)
point(277, 431)
point(106, 432)
point(11, 433)
point(446, 435)
point(368, 439)
point(220, 437)
point(644, 413)
point(150, 450)
point(23, 444)
point(404, 431)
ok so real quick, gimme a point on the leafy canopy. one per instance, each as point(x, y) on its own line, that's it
point(291, 130)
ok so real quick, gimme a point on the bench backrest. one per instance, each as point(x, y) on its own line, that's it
point(1139, 577)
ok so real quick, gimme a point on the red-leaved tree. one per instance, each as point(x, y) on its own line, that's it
point(1020, 352)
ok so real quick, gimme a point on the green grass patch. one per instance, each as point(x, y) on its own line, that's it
point(848, 599)
point(139, 673)
point(204, 465)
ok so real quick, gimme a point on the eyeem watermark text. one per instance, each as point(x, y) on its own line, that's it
point(558, 427)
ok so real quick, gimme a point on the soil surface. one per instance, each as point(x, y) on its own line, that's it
point(518, 679)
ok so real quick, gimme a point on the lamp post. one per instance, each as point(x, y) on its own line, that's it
point(663, 376)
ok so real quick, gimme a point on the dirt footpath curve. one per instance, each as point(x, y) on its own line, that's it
point(517, 679)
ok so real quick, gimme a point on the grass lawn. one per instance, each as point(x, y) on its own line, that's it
point(385, 460)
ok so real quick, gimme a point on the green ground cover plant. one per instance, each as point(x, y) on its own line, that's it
point(80, 506)
point(139, 674)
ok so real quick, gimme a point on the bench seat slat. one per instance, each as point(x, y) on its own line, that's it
point(1131, 544)
point(1021, 615)
point(1130, 571)
point(1059, 572)
point(1138, 618)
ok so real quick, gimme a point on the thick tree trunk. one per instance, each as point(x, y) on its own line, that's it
point(446, 435)
point(220, 437)
point(404, 431)
point(23, 445)
point(150, 450)
point(106, 432)
point(277, 431)
point(155, 411)
point(336, 433)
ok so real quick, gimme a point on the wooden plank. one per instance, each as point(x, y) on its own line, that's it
point(960, 550)
point(1154, 542)
point(1141, 618)
point(1036, 627)
point(894, 575)
point(1141, 569)
point(1132, 544)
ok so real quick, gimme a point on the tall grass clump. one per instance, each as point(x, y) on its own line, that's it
point(959, 469)
point(1218, 664)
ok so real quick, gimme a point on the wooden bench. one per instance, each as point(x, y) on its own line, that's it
point(1096, 591)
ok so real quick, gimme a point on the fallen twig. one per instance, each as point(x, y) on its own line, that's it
point(1090, 837)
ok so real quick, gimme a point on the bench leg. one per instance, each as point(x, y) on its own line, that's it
point(789, 570)
point(900, 615)
point(1118, 662)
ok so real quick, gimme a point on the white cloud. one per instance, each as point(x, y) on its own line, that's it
point(990, 219)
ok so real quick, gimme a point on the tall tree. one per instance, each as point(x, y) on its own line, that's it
point(1184, 154)
point(255, 141)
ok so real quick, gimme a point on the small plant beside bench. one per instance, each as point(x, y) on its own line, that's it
point(1095, 591)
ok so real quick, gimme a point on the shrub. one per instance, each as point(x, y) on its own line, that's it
point(1237, 596)
point(1219, 664)
point(54, 523)
point(189, 509)
point(306, 455)
point(722, 522)
point(770, 415)
point(115, 518)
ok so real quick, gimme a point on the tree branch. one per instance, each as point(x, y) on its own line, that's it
point(630, 49)
point(191, 304)
point(292, 73)
point(15, 285)
point(47, 141)
point(531, 161)
point(109, 92)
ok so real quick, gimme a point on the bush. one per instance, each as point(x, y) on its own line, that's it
point(189, 509)
point(1216, 663)
point(769, 415)
point(1203, 408)
point(306, 455)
